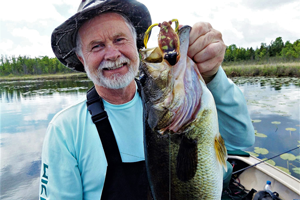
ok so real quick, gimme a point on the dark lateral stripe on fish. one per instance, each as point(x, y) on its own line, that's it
point(187, 159)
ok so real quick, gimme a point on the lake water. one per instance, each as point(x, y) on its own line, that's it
point(26, 108)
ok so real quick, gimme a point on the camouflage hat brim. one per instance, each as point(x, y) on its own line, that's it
point(63, 40)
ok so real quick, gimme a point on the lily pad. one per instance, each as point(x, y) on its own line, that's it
point(276, 122)
point(284, 169)
point(262, 151)
point(256, 120)
point(260, 135)
point(298, 157)
point(253, 154)
point(296, 170)
point(288, 156)
point(271, 162)
point(290, 129)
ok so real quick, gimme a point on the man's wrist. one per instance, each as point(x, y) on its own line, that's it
point(207, 79)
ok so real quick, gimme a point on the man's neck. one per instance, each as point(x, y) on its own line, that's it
point(117, 96)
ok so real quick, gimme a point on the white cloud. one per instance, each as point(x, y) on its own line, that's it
point(266, 4)
point(6, 44)
point(36, 44)
point(44, 16)
point(34, 50)
point(29, 11)
point(29, 34)
point(41, 16)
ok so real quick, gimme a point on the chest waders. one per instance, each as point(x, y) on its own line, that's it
point(123, 180)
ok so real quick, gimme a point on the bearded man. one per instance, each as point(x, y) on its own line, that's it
point(102, 39)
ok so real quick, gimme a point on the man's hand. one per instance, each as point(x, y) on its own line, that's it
point(207, 49)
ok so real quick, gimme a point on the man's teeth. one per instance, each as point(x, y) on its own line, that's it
point(115, 67)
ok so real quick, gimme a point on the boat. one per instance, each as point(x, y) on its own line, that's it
point(255, 177)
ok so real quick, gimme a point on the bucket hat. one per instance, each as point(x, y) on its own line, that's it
point(63, 39)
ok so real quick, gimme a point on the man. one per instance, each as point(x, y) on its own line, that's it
point(102, 39)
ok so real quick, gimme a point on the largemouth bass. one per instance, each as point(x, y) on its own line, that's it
point(184, 151)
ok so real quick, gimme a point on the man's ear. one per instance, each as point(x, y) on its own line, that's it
point(80, 59)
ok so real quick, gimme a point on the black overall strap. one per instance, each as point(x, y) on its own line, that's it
point(123, 180)
point(100, 119)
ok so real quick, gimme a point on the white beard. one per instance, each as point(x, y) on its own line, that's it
point(115, 81)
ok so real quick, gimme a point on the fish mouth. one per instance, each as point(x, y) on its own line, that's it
point(174, 90)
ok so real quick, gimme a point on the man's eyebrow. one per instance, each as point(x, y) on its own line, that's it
point(120, 34)
point(93, 42)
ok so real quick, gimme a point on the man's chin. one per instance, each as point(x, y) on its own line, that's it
point(117, 82)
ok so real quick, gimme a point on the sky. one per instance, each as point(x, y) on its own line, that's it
point(26, 26)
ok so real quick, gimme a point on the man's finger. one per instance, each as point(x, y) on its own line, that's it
point(216, 49)
point(198, 30)
point(209, 67)
point(202, 42)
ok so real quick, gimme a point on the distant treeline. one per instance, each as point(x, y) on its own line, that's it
point(277, 50)
point(24, 65)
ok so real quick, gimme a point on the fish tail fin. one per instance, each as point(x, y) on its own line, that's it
point(221, 151)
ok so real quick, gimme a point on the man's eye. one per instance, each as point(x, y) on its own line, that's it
point(119, 39)
point(95, 47)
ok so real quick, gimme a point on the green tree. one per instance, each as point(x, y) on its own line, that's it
point(230, 53)
point(296, 46)
point(276, 47)
point(250, 54)
point(289, 52)
point(261, 52)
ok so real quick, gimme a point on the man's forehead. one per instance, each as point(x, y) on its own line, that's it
point(96, 22)
point(103, 18)
point(104, 27)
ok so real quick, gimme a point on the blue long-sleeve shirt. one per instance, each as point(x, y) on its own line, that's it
point(235, 124)
point(73, 160)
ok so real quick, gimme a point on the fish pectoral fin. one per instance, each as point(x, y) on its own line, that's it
point(221, 151)
point(187, 159)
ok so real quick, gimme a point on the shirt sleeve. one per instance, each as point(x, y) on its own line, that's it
point(60, 176)
point(235, 124)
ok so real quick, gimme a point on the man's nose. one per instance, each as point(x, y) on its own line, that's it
point(112, 53)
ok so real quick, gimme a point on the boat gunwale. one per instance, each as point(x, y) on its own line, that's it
point(271, 171)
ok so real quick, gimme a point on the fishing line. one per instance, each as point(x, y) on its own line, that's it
point(132, 155)
point(264, 160)
point(170, 148)
point(170, 168)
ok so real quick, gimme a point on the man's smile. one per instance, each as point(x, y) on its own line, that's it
point(115, 67)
